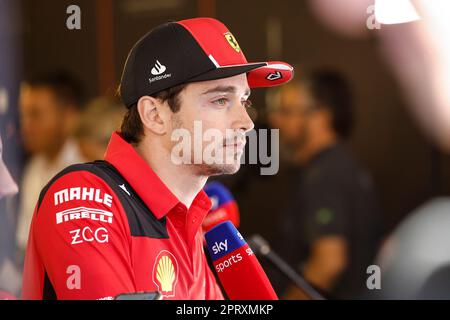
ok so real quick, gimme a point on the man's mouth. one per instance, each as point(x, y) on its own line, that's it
point(236, 145)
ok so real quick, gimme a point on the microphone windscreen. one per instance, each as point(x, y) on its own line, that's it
point(224, 206)
point(237, 267)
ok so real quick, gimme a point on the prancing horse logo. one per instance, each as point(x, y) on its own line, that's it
point(232, 41)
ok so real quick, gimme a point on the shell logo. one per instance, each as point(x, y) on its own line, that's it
point(165, 273)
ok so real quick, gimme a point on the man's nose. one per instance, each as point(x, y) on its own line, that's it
point(242, 119)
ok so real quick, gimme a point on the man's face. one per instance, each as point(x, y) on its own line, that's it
point(42, 124)
point(217, 110)
point(292, 114)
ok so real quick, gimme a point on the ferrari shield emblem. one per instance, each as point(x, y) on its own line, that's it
point(232, 41)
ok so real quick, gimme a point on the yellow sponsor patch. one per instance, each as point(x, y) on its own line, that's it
point(232, 41)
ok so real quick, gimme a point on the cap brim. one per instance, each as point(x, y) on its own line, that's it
point(274, 73)
point(227, 71)
point(259, 74)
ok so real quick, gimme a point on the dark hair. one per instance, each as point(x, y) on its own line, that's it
point(330, 90)
point(132, 129)
point(66, 87)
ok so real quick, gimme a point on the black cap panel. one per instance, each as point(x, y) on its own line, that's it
point(157, 62)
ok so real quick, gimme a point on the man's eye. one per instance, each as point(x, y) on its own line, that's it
point(221, 101)
point(247, 103)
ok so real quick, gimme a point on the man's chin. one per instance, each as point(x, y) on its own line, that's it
point(218, 169)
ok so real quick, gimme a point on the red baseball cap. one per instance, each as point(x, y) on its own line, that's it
point(191, 50)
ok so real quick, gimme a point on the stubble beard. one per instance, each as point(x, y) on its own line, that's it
point(209, 169)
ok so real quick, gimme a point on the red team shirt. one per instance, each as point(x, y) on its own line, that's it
point(106, 228)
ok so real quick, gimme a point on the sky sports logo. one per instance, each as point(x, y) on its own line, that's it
point(226, 246)
point(220, 246)
point(235, 258)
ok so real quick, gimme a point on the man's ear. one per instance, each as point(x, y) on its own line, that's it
point(153, 115)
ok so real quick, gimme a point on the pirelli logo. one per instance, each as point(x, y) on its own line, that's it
point(84, 213)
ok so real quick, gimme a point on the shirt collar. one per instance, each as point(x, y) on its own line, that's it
point(138, 173)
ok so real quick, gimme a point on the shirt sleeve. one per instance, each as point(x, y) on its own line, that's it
point(81, 241)
point(325, 208)
point(213, 291)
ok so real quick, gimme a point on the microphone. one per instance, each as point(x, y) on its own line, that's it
point(239, 271)
point(224, 206)
point(261, 246)
point(154, 295)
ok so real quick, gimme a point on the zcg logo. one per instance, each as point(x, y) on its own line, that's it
point(88, 235)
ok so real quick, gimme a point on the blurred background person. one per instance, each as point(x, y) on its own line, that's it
point(9, 276)
point(99, 119)
point(415, 260)
point(331, 228)
point(50, 106)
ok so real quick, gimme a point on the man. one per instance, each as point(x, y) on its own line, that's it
point(99, 118)
point(133, 222)
point(331, 228)
point(49, 108)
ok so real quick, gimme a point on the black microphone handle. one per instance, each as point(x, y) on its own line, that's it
point(257, 242)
